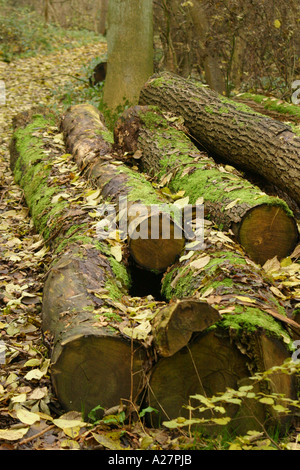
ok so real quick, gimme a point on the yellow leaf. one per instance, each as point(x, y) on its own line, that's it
point(277, 24)
point(266, 400)
point(116, 251)
point(200, 262)
point(13, 434)
point(245, 299)
point(27, 417)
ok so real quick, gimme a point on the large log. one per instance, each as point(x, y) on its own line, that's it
point(88, 316)
point(253, 336)
point(230, 130)
point(264, 225)
point(84, 281)
point(89, 141)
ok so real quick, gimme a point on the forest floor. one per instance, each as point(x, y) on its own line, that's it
point(30, 417)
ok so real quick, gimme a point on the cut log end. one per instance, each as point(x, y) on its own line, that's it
point(156, 242)
point(267, 231)
point(91, 371)
point(209, 365)
point(176, 323)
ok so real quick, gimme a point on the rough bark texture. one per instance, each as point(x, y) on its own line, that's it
point(88, 140)
point(230, 130)
point(264, 225)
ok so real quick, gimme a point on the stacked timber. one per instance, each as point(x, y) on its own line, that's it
point(220, 320)
point(99, 351)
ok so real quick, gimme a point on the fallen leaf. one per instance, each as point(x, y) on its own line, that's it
point(200, 262)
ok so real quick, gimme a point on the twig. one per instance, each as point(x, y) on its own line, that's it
point(31, 438)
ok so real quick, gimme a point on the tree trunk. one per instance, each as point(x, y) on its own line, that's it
point(230, 130)
point(130, 51)
point(103, 16)
point(253, 336)
point(213, 73)
point(170, 157)
point(146, 218)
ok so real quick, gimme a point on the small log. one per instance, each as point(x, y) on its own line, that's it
point(231, 131)
point(87, 139)
point(174, 324)
point(263, 225)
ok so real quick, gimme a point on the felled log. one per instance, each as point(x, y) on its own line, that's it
point(253, 335)
point(231, 131)
point(145, 215)
point(263, 225)
point(87, 313)
point(91, 362)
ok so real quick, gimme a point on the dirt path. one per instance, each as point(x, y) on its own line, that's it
point(24, 386)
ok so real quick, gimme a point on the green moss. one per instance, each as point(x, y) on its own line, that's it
point(120, 272)
point(273, 104)
point(139, 189)
point(113, 290)
point(77, 238)
point(251, 319)
point(209, 110)
point(153, 119)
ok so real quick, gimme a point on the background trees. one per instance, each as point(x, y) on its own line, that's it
point(244, 45)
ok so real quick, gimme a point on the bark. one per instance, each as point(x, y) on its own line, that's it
point(130, 51)
point(211, 62)
point(253, 335)
point(233, 203)
point(230, 131)
point(85, 137)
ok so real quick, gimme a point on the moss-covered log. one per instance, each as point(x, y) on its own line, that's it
point(92, 363)
point(144, 212)
point(100, 350)
point(264, 225)
point(231, 130)
point(253, 335)
point(270, 106)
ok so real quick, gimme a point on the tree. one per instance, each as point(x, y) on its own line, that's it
point(130, 50)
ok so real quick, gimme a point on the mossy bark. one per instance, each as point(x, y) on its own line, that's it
point(271, 106)
point(84, 282)
point(230, 130)
point(87, 314)
point(264, 225)
point(253, 335)
point(87, 139)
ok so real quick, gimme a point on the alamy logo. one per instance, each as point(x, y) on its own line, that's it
point(2, 352)
point(2, 93)
point(151, 222)
point(296, 94)
point(296, 353)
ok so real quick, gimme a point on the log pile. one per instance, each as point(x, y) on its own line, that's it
point(220, 320)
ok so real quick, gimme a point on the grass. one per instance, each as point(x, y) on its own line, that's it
point(23, 33)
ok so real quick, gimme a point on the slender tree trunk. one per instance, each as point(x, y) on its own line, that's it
point(130, 50)
point(212, 62)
